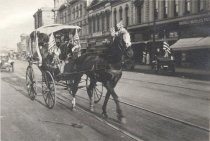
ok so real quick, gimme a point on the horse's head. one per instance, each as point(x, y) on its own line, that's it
point(125, 43)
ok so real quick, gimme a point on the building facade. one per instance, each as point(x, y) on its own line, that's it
point(22, 46)
point(150, 23)
point(73, 12)
point(43, 16)
point(156, 21)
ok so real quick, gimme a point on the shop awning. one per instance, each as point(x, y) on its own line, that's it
point(191, 43)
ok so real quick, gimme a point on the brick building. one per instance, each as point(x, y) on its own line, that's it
point(150, 22)
point(73, 12)
point(43, 16)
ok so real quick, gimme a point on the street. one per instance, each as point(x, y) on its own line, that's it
point(157, 108)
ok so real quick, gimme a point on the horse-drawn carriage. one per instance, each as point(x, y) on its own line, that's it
point(53, 50)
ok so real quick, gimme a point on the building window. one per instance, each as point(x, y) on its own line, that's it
point(65, 16)
point(187, 6)
point(81, 10)
point(176, 7)
point(89, 25)
point(115, 17)
point(102, 18)
point(165, 8)
point(201, 5)
point(107, 21)
point(126, 16)
point(61, 16)
point(120, 11)
point(156, 10)
point(98, 24)
point(77, 12)
point(74, 13)
point(139, 13)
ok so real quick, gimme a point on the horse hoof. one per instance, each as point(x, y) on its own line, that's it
point(73, 109)
point(122, 119)
point(104, 115)
point(91, 109)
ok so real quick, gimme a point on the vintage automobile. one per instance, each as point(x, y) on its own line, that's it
point(6, 63)
point(163, 63)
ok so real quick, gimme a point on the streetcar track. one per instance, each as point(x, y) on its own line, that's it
point(159, 114)
point(167, 85)
point(151, 111)
point(80, 107)
point(156, 113)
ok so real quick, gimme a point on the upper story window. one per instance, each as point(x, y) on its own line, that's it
point(77, 12)
point(176, 7)
point(126, 16)
point(69, 14)
point(156, 10)
point(107, 21)
point(115, 17)
point(120, 11)
point(98, 23)
point(81, 10)
point(165, 8)
point(187, 6)
point(74, 13)
point(201, 5)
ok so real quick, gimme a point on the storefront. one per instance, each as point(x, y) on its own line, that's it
point(150, 36)
point(192, 52)
point(193, 47)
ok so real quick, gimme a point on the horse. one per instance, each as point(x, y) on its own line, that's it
point(106, 69)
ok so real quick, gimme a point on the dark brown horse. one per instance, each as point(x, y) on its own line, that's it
point(106, 69)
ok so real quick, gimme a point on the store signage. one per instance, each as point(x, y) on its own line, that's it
point(195, 21)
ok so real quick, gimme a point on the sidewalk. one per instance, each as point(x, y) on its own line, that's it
point(178, 71)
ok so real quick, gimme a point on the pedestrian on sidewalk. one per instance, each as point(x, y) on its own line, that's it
point(148, 59)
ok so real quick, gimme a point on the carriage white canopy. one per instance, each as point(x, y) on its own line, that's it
point(56, 27)
point(49, 30)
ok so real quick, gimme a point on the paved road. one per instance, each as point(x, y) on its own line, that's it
point(158, 108)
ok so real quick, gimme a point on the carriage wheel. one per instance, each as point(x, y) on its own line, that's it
point(48, 89)
point(31, 83)
point(97, 90)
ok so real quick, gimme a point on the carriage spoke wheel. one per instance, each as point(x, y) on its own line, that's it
point(97, 90)
point(48, 89)
point(31, 83)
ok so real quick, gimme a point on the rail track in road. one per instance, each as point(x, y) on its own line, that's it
point(140, 108)
point(164, 84)
point(159, 114)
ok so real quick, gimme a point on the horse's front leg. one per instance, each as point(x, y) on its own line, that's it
point(74, 91)
point(120, 115)
point(104, 114)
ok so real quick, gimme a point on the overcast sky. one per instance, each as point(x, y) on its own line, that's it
point(16, 17)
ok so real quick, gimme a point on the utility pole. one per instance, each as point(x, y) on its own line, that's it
point(154, 24)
